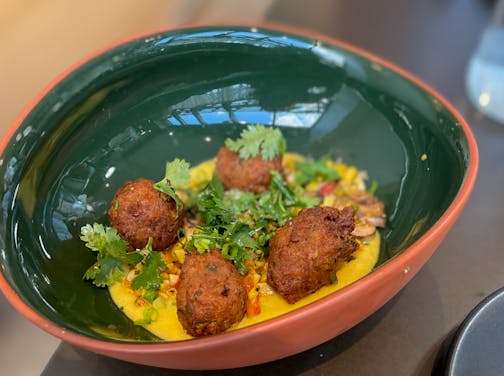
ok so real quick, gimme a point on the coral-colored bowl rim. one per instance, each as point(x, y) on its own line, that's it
point(401, 262)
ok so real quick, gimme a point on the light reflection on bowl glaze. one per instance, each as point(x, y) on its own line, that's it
point(126, 111)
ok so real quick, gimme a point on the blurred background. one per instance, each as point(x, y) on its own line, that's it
point(39, 40)
point(434, 39)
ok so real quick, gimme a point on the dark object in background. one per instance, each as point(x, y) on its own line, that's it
point(476, 347)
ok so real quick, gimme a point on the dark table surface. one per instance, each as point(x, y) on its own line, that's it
point(433, 39)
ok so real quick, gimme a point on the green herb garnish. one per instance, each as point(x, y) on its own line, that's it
point(150, 278)
point(150, 314)
point(277, 203)
point(113, 255)
point(333, 278)
point(258, 140)
point(241, 223)
point(313, 170)
point(234, 239)
point(177, 174)
point(372, 189)
point(114, 260)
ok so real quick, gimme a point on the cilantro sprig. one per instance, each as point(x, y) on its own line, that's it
point(113, 260)
point(258, 140)
point(113, 256)
point(150, 277)
point(234, 239)
point(241, 223)
point(177, 174)
point(277, 204)
point(312, 170)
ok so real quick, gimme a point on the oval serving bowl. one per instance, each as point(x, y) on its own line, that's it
point(125, 111)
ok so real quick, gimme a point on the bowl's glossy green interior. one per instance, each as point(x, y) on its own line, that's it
point(180, 94)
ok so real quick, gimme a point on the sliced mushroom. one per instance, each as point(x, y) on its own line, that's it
point(363, 198)
point(377, 221)
point(363, 229)
point(372, 210)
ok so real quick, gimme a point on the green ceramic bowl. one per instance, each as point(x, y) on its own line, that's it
point(125, 111)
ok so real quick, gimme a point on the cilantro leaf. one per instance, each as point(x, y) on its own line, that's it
point(278, 202)
point(98, 236)
point(234, 239)
point(210, 203)
point(237, 202)
point(308, 201)
point(311, 170)
point(242, 238)
point(258, 140)
point(241, 223)
point(150, 278)
point(112, 254)
point(106, 272)
point(177, 174)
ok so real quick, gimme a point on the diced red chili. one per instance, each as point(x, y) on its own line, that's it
point(327, 188)
point(253, 307)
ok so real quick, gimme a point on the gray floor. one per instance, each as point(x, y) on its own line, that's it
point(25, 349)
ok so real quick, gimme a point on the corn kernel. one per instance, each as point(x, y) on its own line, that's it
point(173, 279)
point(179, 255)
point(328, 200)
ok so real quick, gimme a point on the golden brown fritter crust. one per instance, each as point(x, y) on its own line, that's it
point(211, 296)
point(139, 211)
point(307, 250)
point(251, 174)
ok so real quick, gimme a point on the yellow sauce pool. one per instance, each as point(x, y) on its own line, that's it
point(167, 327)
